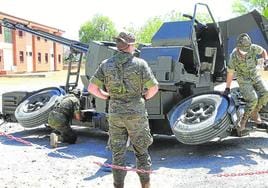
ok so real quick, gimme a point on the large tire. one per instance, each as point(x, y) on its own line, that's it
point(34, 110)
point(201, 118)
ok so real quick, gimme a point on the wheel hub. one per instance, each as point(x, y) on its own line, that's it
point(36, 104)
point(198, 112)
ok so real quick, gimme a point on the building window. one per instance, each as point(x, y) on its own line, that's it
point(20, 33)
point(39, 57)
point(0, 30)
point(59, 58)
point(46, 57)
point(52, 55)
point(7, 35)
point(38, 38)
point(21, 57)
point(30, 53)
point(45, 40)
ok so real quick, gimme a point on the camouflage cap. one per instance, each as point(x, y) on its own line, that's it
point(243, 42)
point(125, 37)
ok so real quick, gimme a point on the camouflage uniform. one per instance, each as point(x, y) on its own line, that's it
point(125, 77)
point(61, 116)
point(251, 85)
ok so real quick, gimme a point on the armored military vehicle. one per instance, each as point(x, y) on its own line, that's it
point(188, 59)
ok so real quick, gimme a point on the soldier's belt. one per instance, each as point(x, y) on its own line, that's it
point(125, 98)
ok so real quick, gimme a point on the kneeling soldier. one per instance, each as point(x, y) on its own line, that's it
point(61, 116)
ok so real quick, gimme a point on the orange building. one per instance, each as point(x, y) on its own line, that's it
point(23, 52)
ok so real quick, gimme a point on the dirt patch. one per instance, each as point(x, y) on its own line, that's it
point(58, 77)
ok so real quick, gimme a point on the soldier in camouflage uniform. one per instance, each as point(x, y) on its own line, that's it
point(61, 116)
point(243, 61)
point(127, 81)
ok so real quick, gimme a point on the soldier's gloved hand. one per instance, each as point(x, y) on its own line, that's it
point(226, 91)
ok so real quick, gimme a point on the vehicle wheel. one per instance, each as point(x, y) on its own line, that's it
point(34, 110)
point(200, 118)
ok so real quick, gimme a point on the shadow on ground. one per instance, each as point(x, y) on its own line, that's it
point(166, 151)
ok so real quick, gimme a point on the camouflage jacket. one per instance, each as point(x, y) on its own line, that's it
point(125, 78)
point(68, 105)
point(245, 66)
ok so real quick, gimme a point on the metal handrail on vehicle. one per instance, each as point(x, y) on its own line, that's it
point(77, 49)
point(195, 47)
point(75, 45)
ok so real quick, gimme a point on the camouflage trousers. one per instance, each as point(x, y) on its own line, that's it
point(135, 127)
point(255, 94)
point(61, 123)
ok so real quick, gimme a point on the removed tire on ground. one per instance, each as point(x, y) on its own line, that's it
point(34, 110)
point(201, 118)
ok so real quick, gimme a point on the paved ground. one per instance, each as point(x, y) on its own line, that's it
point(234, 162)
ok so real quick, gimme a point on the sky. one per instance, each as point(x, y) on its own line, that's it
point(69, 15)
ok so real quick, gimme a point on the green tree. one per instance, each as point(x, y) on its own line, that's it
point(244, 6)
point(152, 25)
point(146, 32)
point(100, 28)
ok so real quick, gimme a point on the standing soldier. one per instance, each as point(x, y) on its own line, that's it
point(127, 81)
point(243, 61)
point(61, 116)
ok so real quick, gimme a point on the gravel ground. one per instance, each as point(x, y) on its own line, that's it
point(233, 162)
point(174, 164)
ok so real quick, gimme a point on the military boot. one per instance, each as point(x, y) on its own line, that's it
point(145, 185)
point(255, 116)
point(241, 129)
point(54, 140)
point(118, 185)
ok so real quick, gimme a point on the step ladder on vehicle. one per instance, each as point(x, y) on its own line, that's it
point(74, 63)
